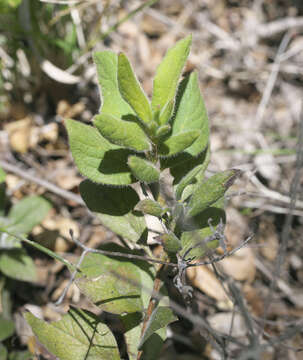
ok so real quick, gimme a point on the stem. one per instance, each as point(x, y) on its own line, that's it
point(41, 248)
point(153, 302)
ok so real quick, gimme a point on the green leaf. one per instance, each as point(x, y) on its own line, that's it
point(168, 73)
point(95, 157)
point(211, 190)
point(131, 90)
point(160, 318)
point(3, 352)
point(114, 207)
point(18, 265)
point(150, 207)
point(7, 328)
point(41, 248)
point(112, 284)
point(152, 346)
point(27, 213)
point(177, 143)
point(7, 6)
point(111, 98)
point(190, 113)
point(23, 216)
point(121, 132)
point(78, 335)
point(3, 199)
point(20, 355)
point(197, 228)
point(132, 333)
point(163, 130)
point(166, 112)
point(170, 242)
point(2, 175)
point(193, 169)
point(143, 170)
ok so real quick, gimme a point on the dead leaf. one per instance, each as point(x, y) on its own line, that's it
point(205, 280)
point(73, 292)
point(253, 299)
point(241, 266)
point(228, 323)
point(267, 166)
point(19, 134)
point(49, 132)
point(152, 26)
point(54, 232)
point(66, 110)
point(268, 238)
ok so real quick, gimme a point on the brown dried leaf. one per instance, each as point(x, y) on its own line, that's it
point(54, 232)
point(253, 299)
point(228, 323)
point(241, 265)
point(67, 110)
point(205, 280)
point(269, 240)
point(19, 134)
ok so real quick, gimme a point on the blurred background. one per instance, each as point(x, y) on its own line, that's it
point(249, 57)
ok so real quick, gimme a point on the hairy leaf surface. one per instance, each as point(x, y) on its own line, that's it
point(168, 74)
point(190, 113)
point(78, 335)
point(131, 90)
point(121, 132)
point(95, 157)
point(115, 208)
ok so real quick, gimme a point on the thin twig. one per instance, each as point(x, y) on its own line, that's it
point(24, 174)
point(40, 248)
point(74, 274)
point(275, 27)
point(271, 80)
point(294, 187)
point(217, 259)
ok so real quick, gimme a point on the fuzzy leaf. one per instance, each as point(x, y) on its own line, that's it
point(166, 112)
point(3, 199)
point(163, 130)
point(190, 113)
point(23, 216)
point(114, 207)
point(160, 318)
point(152, 346)
point(7, 328)
point(95, 157)
point(168, 73)
point(131, 90)
point(107, 70)
point(121, 132)
point(78, 335)
point(211, 190)
point(112, 285)
point(16, 264)
point(150, 207)
point(175, 144)
point(3, 350)
point(27, 213)
point(171, 243)
point(143, 170)
point(194, 171)
point(7, 6)
point(2, 175)
point(197, 228)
